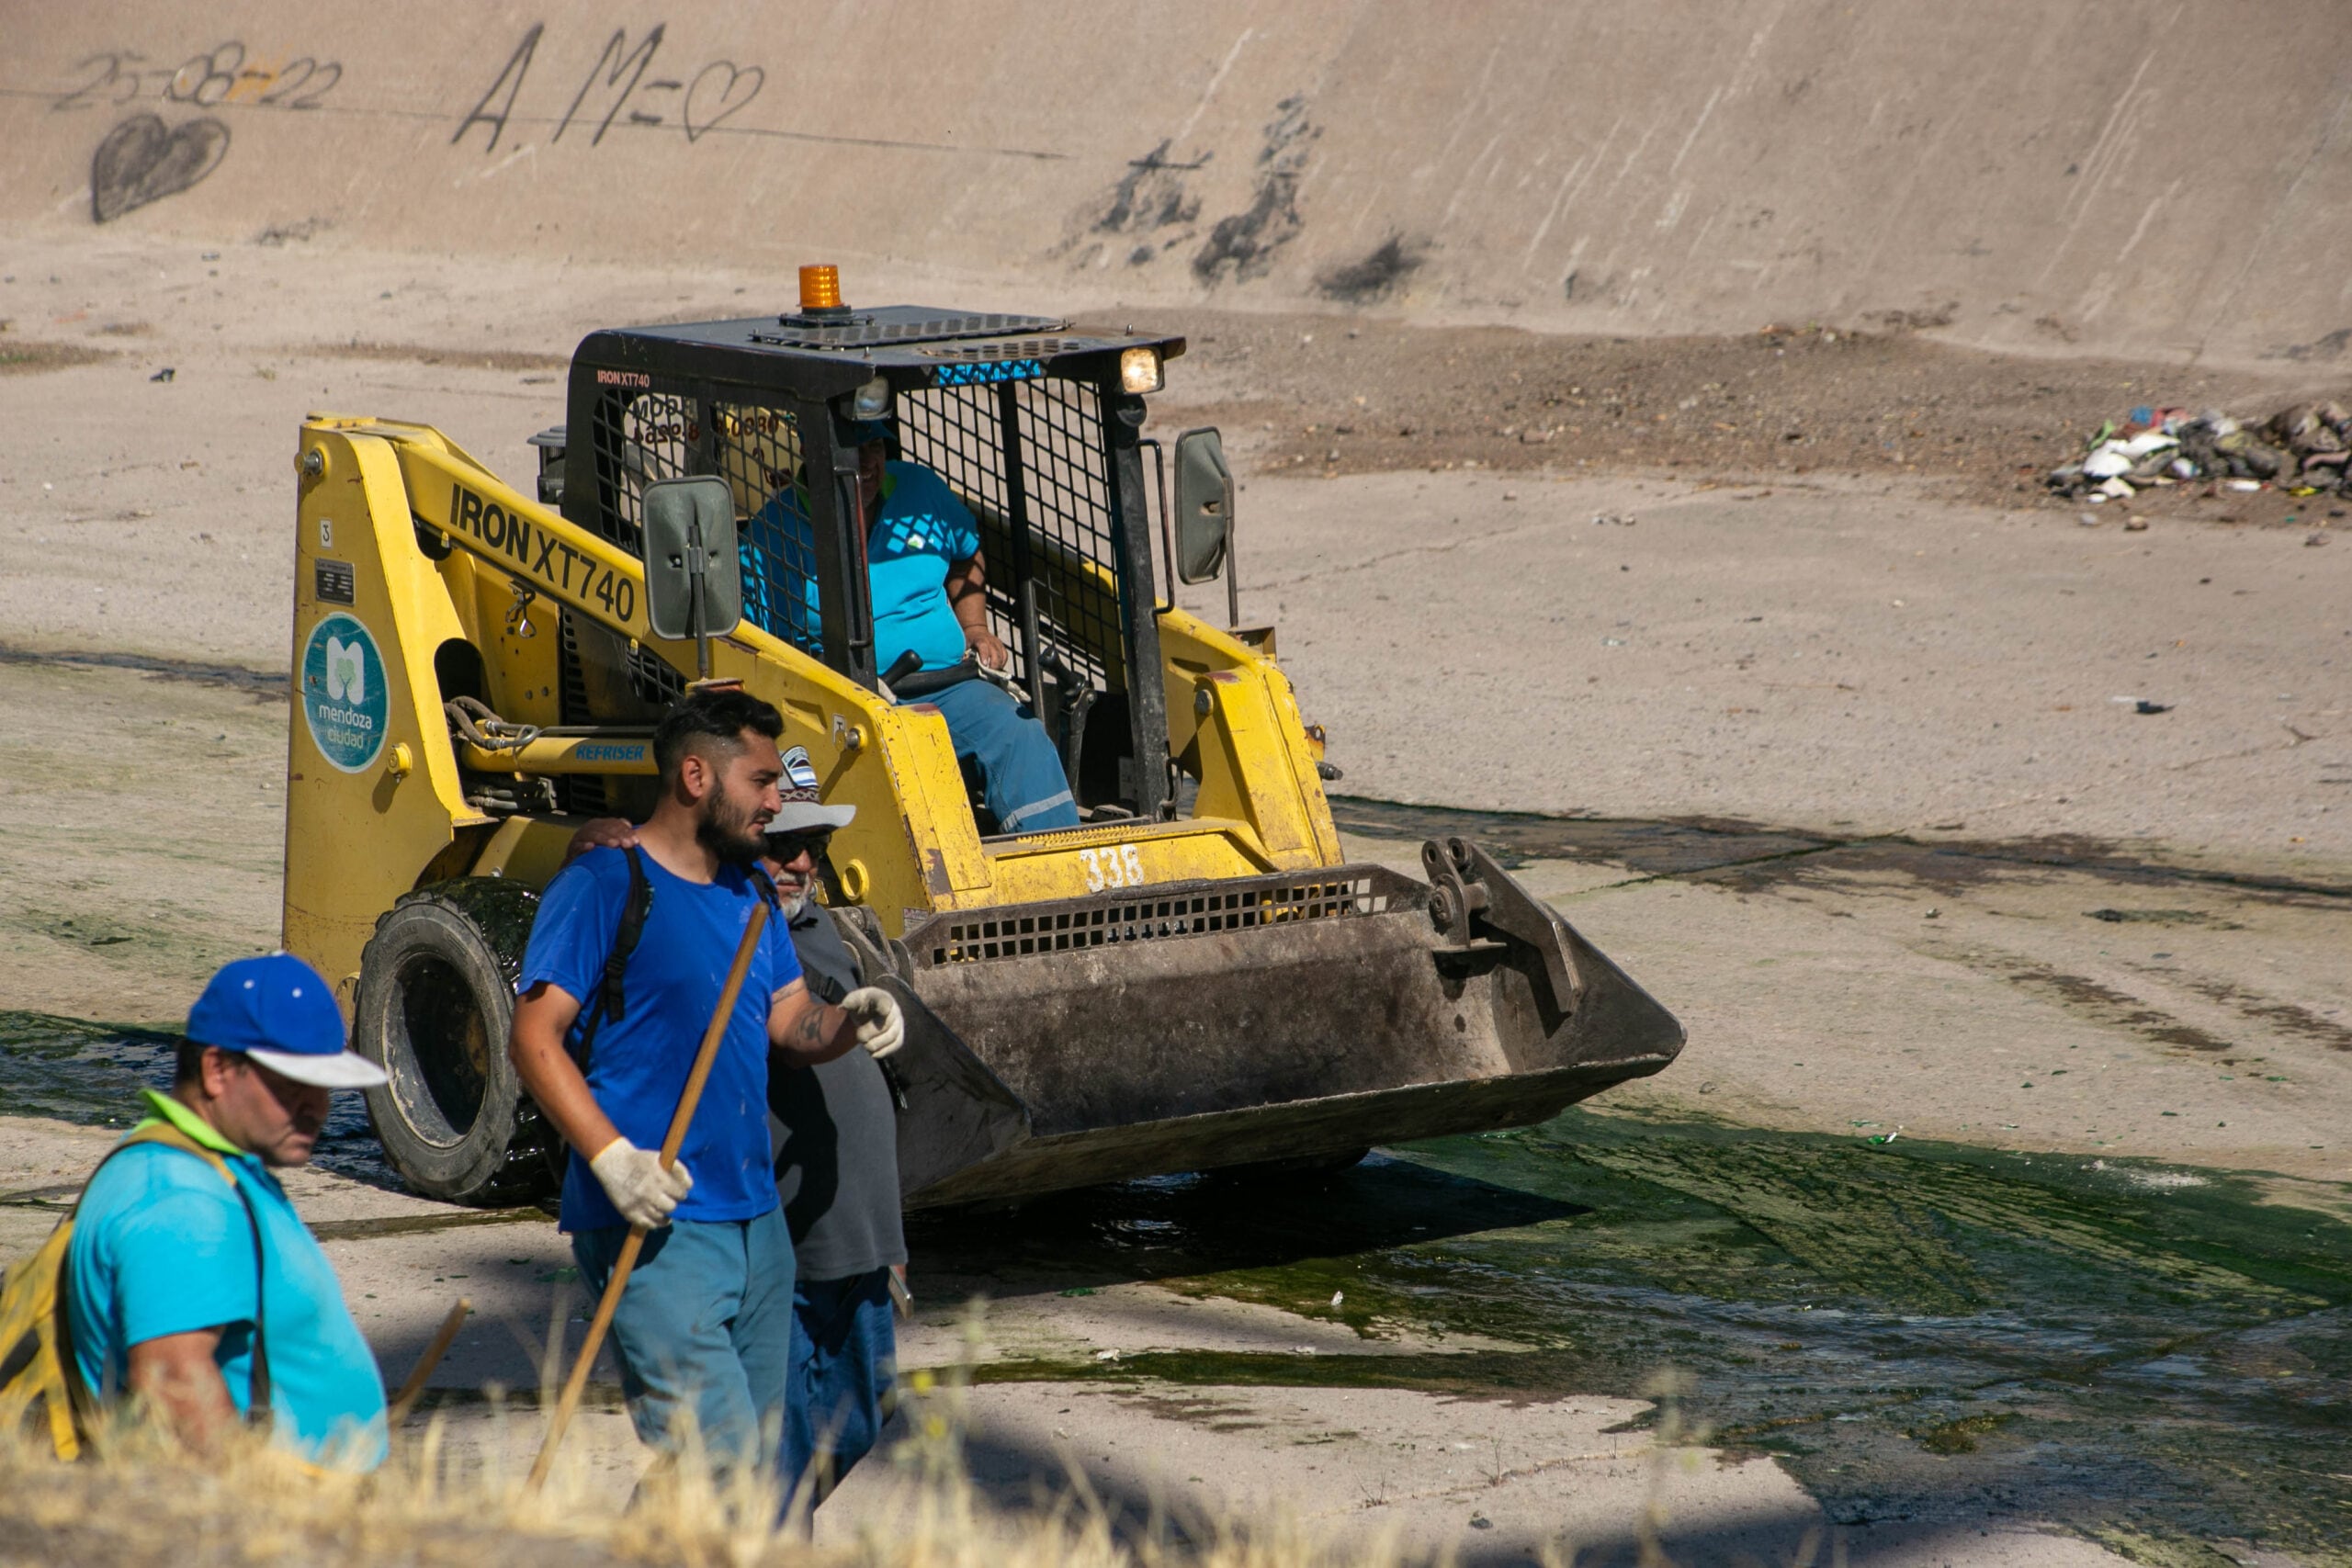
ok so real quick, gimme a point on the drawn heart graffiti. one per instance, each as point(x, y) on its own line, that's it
point(741, 86)
point(141, 161)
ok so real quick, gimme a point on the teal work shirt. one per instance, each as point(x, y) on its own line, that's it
point(923, 531)
point(161, 1245)
point(920, 531)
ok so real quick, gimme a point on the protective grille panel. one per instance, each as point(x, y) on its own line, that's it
point(758, 452)
point(1059, 481)
point(1066, 470)
point(636, 440)
point(1200, 909)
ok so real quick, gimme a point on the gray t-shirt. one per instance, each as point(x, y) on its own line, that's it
point(836, 1134)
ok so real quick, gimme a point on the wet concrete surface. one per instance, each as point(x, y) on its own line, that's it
point(1922, 1334)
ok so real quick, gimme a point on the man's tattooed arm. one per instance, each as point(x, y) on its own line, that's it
point(803, 1032)
point(808, 1030)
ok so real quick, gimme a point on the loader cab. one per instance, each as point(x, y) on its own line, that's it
point(1036, 425)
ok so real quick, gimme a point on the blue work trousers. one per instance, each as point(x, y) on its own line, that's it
point(704, 1323)
point(1021, 776)
point(845, 1366)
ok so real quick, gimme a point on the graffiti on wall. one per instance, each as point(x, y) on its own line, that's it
point(141, 159)
point(620, 88)
point(144, 159)
point(225, 74)
point(171, 114)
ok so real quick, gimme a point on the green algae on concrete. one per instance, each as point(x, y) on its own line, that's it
point(1916, 1329)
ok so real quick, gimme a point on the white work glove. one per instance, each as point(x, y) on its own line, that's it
point(873, 1014)
point(633, 1179)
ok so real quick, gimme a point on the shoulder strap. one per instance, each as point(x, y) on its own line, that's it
point(171, 1137)
point(163, 1134)
point(610, 1000)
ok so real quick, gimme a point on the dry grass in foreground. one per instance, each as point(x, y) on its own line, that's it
point(146, 1506)
point(442, 1500)
point(460, 1499)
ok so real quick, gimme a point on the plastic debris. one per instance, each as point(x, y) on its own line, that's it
point(2107, 462)
point(2308, 445)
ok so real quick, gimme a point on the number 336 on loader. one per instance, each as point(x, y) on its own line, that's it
point(1192, 978)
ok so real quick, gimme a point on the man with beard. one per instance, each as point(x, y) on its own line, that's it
point(704, 1322)
point(836, 1168)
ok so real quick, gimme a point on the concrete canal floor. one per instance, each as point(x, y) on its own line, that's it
point(1997, 1212)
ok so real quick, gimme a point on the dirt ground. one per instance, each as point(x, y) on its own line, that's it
point(1839, 735)
point(1367, 395)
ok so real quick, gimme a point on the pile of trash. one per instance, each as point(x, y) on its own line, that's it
point(2306, 449)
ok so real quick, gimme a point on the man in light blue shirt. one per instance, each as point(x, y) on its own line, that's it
point(929, 586)
point(207, 1297)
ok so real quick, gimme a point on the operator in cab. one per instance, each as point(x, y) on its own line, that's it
point(928, 587)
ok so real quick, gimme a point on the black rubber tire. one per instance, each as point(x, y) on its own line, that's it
point(435, 1000)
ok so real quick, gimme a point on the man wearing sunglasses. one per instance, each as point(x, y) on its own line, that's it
point(835, 1131)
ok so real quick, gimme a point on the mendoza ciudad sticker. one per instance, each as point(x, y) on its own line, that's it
point(343, 700)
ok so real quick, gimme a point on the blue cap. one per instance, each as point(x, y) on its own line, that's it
point(864, 431)
point(277, 1010)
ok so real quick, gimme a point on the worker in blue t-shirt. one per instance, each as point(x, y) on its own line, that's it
point(705, 1322)
point(190, 1281)
point(929, 586)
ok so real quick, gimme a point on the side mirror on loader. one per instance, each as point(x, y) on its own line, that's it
point(1204, 506)
point(694, 577)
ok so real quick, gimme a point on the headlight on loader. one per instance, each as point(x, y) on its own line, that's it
point(1139, 370)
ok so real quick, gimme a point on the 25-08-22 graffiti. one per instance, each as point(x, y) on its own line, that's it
point(143, 160)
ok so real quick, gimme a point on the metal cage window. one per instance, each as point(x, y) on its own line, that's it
point(635, 440)
point(757, 450)
point(1058, 483)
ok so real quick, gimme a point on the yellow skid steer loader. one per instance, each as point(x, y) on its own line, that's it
point(1192, 978)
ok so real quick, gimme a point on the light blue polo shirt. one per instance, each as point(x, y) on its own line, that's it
point(920, 531)
point(161, 1245)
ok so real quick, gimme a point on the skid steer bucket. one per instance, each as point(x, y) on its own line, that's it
point(1271, 1018)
